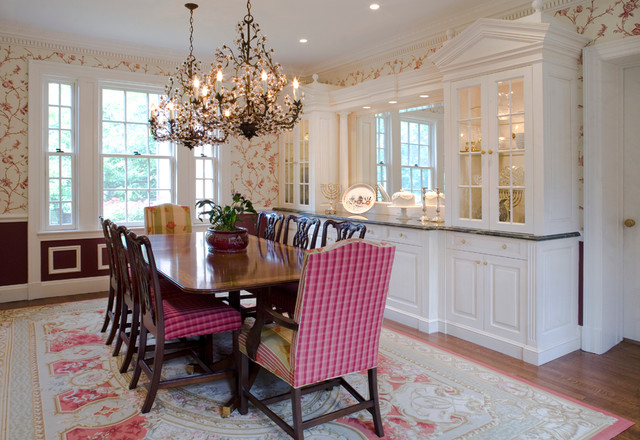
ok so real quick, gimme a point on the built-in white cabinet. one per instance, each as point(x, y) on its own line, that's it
point(512, 126)
point(515, 296)
point(295, 188)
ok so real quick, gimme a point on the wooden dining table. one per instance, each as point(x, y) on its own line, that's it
point(185, 260)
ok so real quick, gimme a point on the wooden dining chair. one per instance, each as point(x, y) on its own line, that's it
point(167, 218)
point(179, 316)
point(334, 331)
point(283, 297)
point(344, 230)
point(270, 225)
point(112, 312)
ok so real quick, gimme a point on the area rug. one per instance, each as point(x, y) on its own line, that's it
point(59, 381)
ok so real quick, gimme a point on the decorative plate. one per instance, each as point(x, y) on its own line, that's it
point(359, 198)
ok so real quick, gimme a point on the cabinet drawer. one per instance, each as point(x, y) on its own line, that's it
point(504, 247)
point(405, 235)
point(376, 232)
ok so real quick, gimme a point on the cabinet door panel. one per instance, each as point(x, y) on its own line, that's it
point(505, 283)
point(405, 283)
point(464, 301)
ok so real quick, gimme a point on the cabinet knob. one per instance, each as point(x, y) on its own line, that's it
point(401, 234)
point(478, 261)
point(463, 241)
point(482, 151)
point(490, 151)
point(629, 223)
point(504, 246)
point(485, 263)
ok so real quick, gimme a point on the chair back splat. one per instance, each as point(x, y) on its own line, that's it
point(270, 225)
point(112, 313)
point(344, 230)
point(304, 227)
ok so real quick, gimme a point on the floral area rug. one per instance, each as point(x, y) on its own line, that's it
point(59, 381)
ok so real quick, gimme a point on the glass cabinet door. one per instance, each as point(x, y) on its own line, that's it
point(469, 135)
point(296, 172)
point(509, 170)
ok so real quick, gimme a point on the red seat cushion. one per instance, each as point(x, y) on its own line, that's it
point(192, 315)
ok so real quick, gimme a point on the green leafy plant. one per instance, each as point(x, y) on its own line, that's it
point(224, 217)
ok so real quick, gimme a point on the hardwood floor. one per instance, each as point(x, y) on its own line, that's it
point(610, 381)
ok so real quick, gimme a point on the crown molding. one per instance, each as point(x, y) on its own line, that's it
point(64, 42)
point(444, 29)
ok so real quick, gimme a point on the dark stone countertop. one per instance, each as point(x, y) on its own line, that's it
point(414, 223)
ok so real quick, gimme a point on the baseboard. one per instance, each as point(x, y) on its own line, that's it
point(15, 292)
point(411, 320)
point(78, 286)
point(536, 356)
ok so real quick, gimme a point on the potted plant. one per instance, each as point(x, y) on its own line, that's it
point(223, 235)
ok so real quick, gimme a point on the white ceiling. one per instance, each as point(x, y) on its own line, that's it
point(338, 31)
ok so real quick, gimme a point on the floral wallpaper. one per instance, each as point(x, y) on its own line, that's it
point(254, 165)
point(601, 20)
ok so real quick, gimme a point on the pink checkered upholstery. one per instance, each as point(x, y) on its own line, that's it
point(341, 299)
point(192, 315)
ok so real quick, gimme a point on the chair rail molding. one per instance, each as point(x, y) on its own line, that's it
point(603, 147)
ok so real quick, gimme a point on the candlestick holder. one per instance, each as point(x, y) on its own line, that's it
point(437, 218)
point(331, 191)
point(425, 218)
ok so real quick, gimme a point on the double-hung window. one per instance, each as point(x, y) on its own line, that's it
point(406, 149)
point(137, 171)
point(60, 147)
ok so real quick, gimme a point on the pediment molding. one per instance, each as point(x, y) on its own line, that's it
point(489, 45)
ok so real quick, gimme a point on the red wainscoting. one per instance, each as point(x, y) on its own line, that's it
point(13, 253)
point(65, 259)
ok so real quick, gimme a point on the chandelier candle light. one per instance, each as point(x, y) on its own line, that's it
point(249, 103)
point(183, 115)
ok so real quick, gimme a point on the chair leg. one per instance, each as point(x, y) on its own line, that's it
point(296, 412)
point(373, 395)
point(116, 319)
point(243, 384)
point(122, 329)
point(156, 375)
point(142, 347)
point(109, 310)
point(133, 336)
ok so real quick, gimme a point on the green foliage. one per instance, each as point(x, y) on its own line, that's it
point(224, 218)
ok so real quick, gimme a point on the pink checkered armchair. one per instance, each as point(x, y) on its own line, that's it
point(334, 331)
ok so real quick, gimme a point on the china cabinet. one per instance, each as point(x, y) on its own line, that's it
point(309, 153)
point(511, 149)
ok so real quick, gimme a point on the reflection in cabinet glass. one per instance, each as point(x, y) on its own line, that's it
point(303, 145)
point(469, 153)
point(511, 150)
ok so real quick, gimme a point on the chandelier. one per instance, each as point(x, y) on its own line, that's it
point(183, 115)
point(247, 105)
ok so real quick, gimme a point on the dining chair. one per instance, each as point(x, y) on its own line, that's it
point(112, 313)
point(270, 225)
point(344, 230)
point(178, 316)
point(335, 331)
point(283, 297)
point(167, 218)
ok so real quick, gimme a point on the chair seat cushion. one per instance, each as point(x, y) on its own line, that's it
point(193, 315)
point(274, 351)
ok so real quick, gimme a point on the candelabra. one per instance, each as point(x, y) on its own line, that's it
point(331, 191)
point(425, 218)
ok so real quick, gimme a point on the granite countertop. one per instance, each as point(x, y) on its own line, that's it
point(415, 223)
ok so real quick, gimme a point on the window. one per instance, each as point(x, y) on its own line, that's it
point(416, 156)
point(91, 152)
point(137, 171)
point(59, 155)
point(206, 161)
point(406, 149)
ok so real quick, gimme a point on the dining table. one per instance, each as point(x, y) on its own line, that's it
point(185, 261)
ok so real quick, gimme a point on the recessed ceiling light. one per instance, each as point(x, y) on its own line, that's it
point(366, 106)
point(424, 96)
point(374, 6)
point(393, 102)
point(303, 40)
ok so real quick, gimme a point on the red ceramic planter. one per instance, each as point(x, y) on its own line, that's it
point(229, 242)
